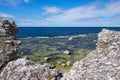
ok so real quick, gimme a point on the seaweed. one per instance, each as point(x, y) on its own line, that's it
point(36, 49)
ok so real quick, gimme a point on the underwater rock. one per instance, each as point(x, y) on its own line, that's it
point(70, 39)
point(63, 64)
point(101, 64)
point(59, 63)
point(46, 59)
point(8, 43)
point(95, 41)
point(66, 52)
point(68, 63)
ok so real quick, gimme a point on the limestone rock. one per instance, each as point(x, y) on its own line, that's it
point(46, 59)
point(48, 65)
point(66, 52)
point(8, 43)
point(22, 69)
point(59, 63)
point(63, 64)
point(68, 63)
point(101, 64)
point(70, 39)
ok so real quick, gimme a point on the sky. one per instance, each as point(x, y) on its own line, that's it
point(62, 13)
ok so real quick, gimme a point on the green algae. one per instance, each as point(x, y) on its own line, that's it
point(36, 49)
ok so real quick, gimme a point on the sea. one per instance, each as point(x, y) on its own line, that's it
point(32, 32)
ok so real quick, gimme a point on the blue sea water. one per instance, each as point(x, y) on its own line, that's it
point(58, 31)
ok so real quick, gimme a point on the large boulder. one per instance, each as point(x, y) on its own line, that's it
point(101, 64)
point(22, 69)
point(8, 43)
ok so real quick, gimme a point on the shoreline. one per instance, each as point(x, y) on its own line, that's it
point(74, 36)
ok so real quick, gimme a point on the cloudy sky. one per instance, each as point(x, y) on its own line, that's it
point(61, 12)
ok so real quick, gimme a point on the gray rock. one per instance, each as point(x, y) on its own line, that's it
point(66, 52)
point(22, 69)
point(95, 41)
point(46, 59)
point(70, 39)
point(49, 66)
point(68, 63)
point(63, 64)
point(59, 63)
point(8, 43)
point(101, 64)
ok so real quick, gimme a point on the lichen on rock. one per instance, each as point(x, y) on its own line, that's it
point(22, 69)
point(101, 64)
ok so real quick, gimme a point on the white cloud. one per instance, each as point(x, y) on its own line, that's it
point(51, 10)
point(13, 2)
point(89, 15)
point(10, 2)
point(85, 12)
point(5, 15)
point(90, 22)
point(26, 1)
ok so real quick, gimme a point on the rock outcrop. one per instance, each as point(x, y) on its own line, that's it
point(8, 43)
point(22, 69)
point(101, 64)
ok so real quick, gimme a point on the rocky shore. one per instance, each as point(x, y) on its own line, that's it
point(19, 69)
point(101, 64)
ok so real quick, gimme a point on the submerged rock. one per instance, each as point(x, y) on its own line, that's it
point(101, 64)
point(8, 43)
point(59, 63)
point(66, 52)
point(46, 59)
point(68, 63)
point(70, 39)
point(22, 69)
point(63, 64)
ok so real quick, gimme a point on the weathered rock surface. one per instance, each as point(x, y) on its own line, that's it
point(8, 43)
point(101, 64)
point(22, 69)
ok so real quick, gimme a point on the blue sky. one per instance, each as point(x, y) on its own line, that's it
point(61, 12)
